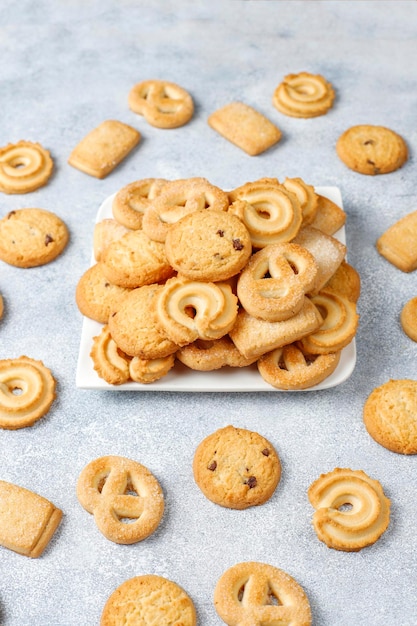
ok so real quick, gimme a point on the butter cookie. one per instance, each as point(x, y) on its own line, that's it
point(131, 202)
point(398, 244)
point(24, 167)
point(207, 356)
point(110, 363)
point(162, 103)
point(105, 232)
point(96, 297)
point(304, 95)
point(409, 318)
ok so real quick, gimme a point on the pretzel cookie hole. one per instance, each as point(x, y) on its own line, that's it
point(271, 598)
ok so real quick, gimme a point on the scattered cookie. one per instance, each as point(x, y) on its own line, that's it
point(254, 593)
point(24, 167)
point(352, 511)
point(103, 148)
point(390, 415)
point(372, 150)
point(398, 244)
point(27, 520)
point(236, 468)
point(245, 127)
point(124, 496)
point(31, 237)
point(303, 95)
point(162, 103)
point(27, 390)
point(409, 318)
point(149, 599)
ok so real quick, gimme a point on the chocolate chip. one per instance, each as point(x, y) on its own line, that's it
point(220, 233)
point(266, 452)
point(48, 239)
point(10, 214)
point(212, 466)
point(370, 162)
point(237, 244)
point(368, 142)
point(251, 482)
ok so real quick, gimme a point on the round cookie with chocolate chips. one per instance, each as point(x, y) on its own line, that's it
point(236, 468)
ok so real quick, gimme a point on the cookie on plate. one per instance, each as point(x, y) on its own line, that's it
point(95, 296)
point(236, 468)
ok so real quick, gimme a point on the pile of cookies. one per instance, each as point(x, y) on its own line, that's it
point(187, 271)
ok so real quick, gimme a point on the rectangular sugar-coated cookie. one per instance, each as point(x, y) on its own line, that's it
point(398, 244)
point(103, 148)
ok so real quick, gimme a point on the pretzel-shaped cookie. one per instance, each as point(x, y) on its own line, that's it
point(352, 511)
point(189, 310)
point(131, 202)
point(163, 104)
point(258, 594)
point(110, 362)
point(273, 284)
point(270, 212)
point(27, 390)
point(24, 167)
point(306, 196)
point(290, 368)
point(114, 489)
point(303, 95)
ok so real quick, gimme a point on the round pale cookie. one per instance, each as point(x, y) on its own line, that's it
point(31, 237)
point(24, 167)
point(149, 599)
point(162, 103)
point(346, 281)
point(259, 594)
point(208, 245)
point(303, 95)
point(206, 356)
point(236, 468)
point(105, 232)
point(390, 415)
point(409, 318)
point(115, 489)
point(372, 150)
point(131, 202)
point(27, 390)
point(96, 296)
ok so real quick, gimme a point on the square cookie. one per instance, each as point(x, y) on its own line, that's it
point(242, 125)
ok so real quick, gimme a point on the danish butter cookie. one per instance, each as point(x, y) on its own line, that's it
point(207, 356)
point(24, 167)
point(245, 127)
point(329, 216)
point(258, 594)
point(31, 237)
point(147, 371)
point(131, 202)
point(304, 95)
point(162, 103)
point(398, 244)
point(372, 150)
point(105, 232)
point(352, 511)
point(95, 296)
point(115, 489)
point(306, 195)
point(346, 281)
point(110, 363)
point(236, 468)
point(390, 415)
point(27, 390)
point(103, 148)
point(27, 520)
point(208, 245)
point(149, 599)
point(409, 318)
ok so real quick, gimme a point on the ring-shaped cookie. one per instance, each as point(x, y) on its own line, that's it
point(109, 361)
point(290, 368)
point(188, 310)
point(273, 284)
point(27, 390)
point(303, 95)
point(131, 202)
point(307, 198)
point(163, 104)
point(147, 371)
point(115, 489)
point(24, 167)
point(352, 511)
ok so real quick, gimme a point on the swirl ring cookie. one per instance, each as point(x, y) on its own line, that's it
point(149, 599)
point(163, 104)
point(352, 511)
point(24, 167)
point(307, 198)
point(409, 318)
point(372, 150)
point(236, 468)
point(303, 95)
point(273, 284)
point(389, 415)
point(259, 594)
point(27, 390)
point(206, 356)
point(131, 202)
point(115, 489)
point(109, 362)
point(147, 371)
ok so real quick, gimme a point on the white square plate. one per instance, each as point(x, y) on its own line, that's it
point(181, 378)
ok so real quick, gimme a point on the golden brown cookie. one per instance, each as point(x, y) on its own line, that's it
point(131, 202)
point(96, 296)
point(346, 281)
point(162, 103)
point(303, 95)
point(149, 599)
point(409, 318)
point(372, 150)
point(352, 510)
point(31, 237)
point(329, 216)
point(306, 195)
point(124, 496)
point(110, 363)
point(256, 594)
point(398, 244)
point(236, 468)
point(207, 356)
point(147, 371)
point(103, 148)
point(105, 232)
point(27, 390)
point(245, 127)
point(390, 415)
point(27, 520)
point(24, 167)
